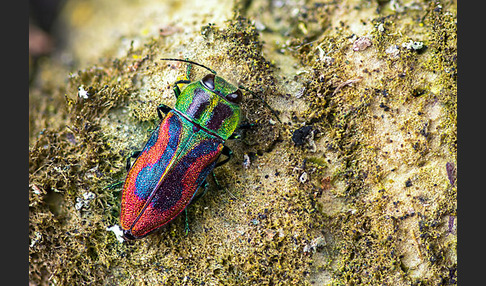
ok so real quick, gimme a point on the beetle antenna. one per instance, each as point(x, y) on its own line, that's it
point(264, 102)
point(189, 62)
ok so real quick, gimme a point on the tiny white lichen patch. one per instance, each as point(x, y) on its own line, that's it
point(117, 231)
point(82, 93)
point(411, 45)
point(83, 201)
point(393, 51)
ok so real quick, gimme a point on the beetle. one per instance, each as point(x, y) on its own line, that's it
point(180, 153)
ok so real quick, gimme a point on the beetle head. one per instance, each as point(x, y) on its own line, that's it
point(222, 88)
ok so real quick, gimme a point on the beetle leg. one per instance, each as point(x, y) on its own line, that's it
point(236, 134)
point(216, 181)
point(177, 90)
point(188, 70)
point(186, 225)
point(246, 125)
point(228, 153)
point(163, 109)
point(219, 186)
point(113, 186)
point(200, 193)
point(135, 154)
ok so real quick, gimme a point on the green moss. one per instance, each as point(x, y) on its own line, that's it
point(366, 200)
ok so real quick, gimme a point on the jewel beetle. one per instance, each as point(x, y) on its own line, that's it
point(180, 153)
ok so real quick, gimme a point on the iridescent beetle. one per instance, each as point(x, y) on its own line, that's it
point(180, 153)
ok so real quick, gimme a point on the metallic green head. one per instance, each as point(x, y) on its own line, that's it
point(212, 103)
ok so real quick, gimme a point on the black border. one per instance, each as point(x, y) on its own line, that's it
point(470, 126)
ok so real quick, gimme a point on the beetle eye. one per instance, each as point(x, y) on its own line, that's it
point(235, 97)
point(208, 81)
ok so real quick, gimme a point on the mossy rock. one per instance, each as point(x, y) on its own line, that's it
point(355, 186)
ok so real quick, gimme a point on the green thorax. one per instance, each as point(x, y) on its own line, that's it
point(208, 108)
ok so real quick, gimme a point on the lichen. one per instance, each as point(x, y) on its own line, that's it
point(367, 196)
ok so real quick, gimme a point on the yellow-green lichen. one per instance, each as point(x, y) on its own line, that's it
point(366, 200)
